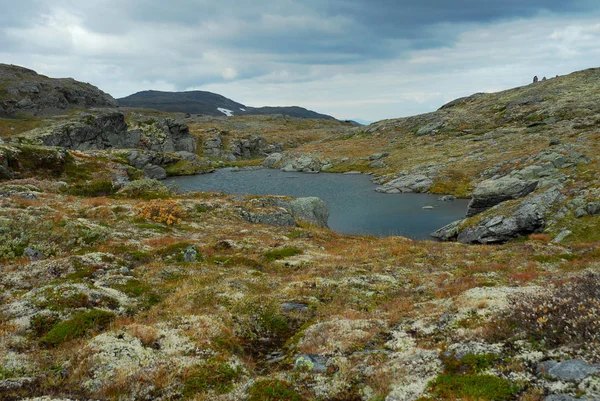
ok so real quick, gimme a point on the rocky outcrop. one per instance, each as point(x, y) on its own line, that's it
point(108, 130)
point(310, 210)
point(303, 163)
point(165, 135)
point(528, 217)
point(494, 191)
point(100, 131)
point(248, 147)
point(407, 183)
point(24, 91)
point(287, 212)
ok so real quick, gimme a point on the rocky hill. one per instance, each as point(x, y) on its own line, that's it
point(528, 158)
point(25, 91)
point(116, 287)
point(207, 103)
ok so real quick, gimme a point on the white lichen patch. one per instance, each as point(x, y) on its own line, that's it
point(494, 298)
point(338, 335)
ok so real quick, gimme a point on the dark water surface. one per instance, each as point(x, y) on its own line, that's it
point(354, 206)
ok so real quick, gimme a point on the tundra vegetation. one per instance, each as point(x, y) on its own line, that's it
point(115, 287)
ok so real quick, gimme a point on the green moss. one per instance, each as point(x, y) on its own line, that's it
point(470, 363)
point(212, 375)
point(235, 261)
point(55, 301)
point(273, 390)
point(472, 386)
point(362, 166)
point(38, 160)
point(186, 167)
point(93, 188)
point(147, 294)
point(42, 324)
point(282, 253)
point(76, 327)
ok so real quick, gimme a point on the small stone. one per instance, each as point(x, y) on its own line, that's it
point(125, 271)
point(293, 307)
point(311, 362)
point(190, 254)
point(580, 212)
point(447, 198)
point(428, 207)
point(33, 254)
point(554, 141)
point(561, 236)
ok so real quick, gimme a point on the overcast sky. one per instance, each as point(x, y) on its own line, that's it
point(359, 59)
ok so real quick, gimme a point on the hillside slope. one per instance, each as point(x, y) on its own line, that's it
point(208, 103)
point(24, 91)
point(495, 148)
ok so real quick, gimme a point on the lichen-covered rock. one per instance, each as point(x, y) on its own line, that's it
point(494, 191)
point(310, 210)
point(572, 370)
point(271, 160)
point(529, 217)
point(407, 183)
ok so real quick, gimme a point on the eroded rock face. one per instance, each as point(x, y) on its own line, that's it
point(244, 148)
point(108, 129)
point(494, 191)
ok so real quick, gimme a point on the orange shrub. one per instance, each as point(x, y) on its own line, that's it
point(168, 212)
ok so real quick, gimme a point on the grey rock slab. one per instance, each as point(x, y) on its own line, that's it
point(572, 370)
point(409, 183)
point(494, 191)
point(448, 232)
point(155, 172)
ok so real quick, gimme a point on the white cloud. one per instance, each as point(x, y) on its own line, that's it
point(294, 55)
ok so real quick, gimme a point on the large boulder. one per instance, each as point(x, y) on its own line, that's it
point(494, 191)
point(303, 163)
point(271, 160)
point(407, 183)
point(165, 135)
point(528, 217)
point(311, 210)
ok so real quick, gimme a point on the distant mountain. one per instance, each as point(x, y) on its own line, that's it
point(201, 102)
point(25, 91)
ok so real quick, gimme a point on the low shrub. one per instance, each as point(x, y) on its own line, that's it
point(282, 253)
point(76, 327)
point(147, 189)
point(167, 212)
point(569, 315)
point(212, 375)
point(273, 390)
